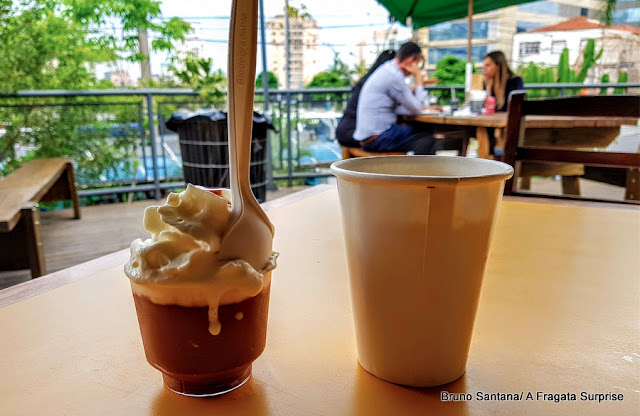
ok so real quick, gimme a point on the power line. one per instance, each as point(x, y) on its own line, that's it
point(325, 44)
point(225, 17)
point(319, 27)
point(194, 17)
point(282, 44)
point(351, 26)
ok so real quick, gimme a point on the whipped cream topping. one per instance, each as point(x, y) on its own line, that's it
point(179, 264)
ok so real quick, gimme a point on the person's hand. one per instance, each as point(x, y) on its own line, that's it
point(413, 68)
point(435, 108)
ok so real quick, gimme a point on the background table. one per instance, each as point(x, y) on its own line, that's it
point(558, 313)
point(557, 131)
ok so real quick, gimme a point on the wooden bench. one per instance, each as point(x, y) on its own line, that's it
point(39, 180)
point(554, 157)
point(349, 152)
point(570, 173)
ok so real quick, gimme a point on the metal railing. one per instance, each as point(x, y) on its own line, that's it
point(292, 112)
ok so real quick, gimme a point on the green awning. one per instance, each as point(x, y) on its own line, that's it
point(429, 12)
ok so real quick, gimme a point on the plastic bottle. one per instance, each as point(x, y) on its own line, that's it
point(490, 105)
point(454, 103)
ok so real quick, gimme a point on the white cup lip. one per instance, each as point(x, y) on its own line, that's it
point(497, 171)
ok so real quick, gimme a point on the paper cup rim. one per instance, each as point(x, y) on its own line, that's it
point(341, 169)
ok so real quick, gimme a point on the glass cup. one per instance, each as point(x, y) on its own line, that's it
point(477, 106)
point(193, 361)
point(417, 233)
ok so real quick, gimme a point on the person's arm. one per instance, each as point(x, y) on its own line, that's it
point(408, 103)
point(513, 84)
point(518, 84)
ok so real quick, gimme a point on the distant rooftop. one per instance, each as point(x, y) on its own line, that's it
point(583, 23)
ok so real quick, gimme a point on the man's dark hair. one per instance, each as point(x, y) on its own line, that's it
point(408, 50)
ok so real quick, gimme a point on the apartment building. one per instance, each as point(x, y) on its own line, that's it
point(627, 12)
point(303, 50)
point(389, 38)
point(119, 78)
point(496, 29)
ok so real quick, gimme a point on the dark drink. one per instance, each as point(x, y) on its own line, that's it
point(194, 362)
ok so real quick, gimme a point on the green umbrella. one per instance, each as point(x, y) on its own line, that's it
point(430, 12)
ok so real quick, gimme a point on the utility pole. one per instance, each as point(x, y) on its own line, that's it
point(287, 95)
point(145, 74)
point(415, 36)
point(286, 44)
point(265, 87)
point(468, 69)
point(145, 64)
point(265, 70)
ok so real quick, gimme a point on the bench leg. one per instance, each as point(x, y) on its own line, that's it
point(71, 181)
point(465, 146)
point(483, 142)
point(346, 153)
point(632, 190)
point(21, 247)
point(571, 185)
point(525, 182)
point(33, 244)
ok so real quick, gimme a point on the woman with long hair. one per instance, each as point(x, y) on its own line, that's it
point(347, 125)
point(499, 79)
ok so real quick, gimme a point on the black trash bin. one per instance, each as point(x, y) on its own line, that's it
point(204, 143)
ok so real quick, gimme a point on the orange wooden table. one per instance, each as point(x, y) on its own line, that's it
point(558, 131)
point(559, 313)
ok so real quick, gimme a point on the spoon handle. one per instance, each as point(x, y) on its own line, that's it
point(241, 72)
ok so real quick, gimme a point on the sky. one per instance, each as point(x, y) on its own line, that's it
point(361, 18)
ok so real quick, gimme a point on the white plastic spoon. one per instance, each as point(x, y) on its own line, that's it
point(250, 233)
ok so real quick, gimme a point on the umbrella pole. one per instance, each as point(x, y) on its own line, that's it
point(468, 73)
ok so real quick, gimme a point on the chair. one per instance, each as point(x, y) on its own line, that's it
point(517, 154)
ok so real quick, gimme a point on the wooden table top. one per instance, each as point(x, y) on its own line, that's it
point(559, 313)
point(500, 120)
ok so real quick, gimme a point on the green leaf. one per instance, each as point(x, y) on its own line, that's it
point(604, 80)
point(623, 77)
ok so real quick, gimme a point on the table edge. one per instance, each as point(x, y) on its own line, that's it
point(569, 202)
point(33, 287)
point(25, 290)
point(533, 122)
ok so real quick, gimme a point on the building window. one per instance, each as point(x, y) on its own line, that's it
point(540, 7)
point(557, 46)
point(529, 48)
point(477, 53)
point(628, 16)
point(482, 29)
point(526, 26)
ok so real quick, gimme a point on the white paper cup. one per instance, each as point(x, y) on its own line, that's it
point(417, 232)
